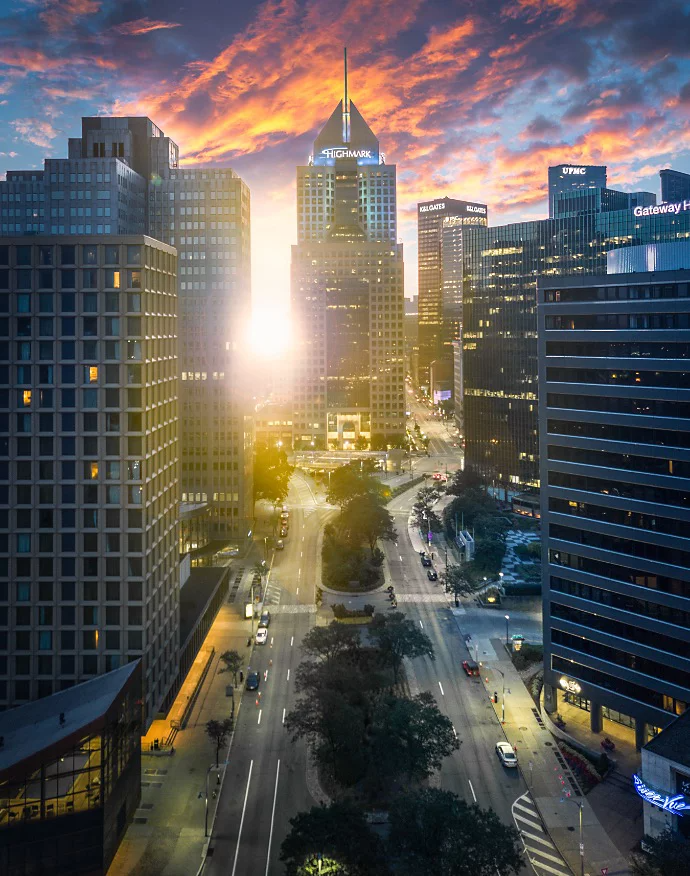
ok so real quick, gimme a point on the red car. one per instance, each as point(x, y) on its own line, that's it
point(470, 667)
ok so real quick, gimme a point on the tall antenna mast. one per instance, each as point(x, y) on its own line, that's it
point(346, 105)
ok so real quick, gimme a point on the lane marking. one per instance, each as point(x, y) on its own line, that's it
point(292, 639)
point(260, 711)
point(455, 732)
point(301, 553)
point(537, 839)
point(400, 557)
point(273, 815)
point(421, 625)
point(297, 592)
point(299, 572)
point(441, 686)
point(474, 796)
point(283, 721)
point(244, 810)
point(288, 675)
point(271, 641)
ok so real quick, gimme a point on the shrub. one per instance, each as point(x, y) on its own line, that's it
point(341, 612)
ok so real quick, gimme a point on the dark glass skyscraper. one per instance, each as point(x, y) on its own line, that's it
point(580, 178)
point(347, 291)
point(500, 328)
point(614, 422)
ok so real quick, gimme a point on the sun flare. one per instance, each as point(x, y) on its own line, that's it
point(270, 335)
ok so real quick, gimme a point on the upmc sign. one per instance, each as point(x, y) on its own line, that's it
point(574, 171)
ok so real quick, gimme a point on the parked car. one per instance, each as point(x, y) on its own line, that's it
point(506, 754)
point(426, 562)
point(283, 532)
point(261, 636)
point(253, 679)
point(265, 619)
point(432, 575)
point(280, 545)
point(470, 667)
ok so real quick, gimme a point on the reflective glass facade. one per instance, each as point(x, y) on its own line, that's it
point(614, 354)
point(502, 265)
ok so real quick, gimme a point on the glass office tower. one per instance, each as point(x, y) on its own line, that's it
point(614, 422)
point(502, 265)
point(347, 292)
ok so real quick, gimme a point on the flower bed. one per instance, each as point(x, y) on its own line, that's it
point(584, 770)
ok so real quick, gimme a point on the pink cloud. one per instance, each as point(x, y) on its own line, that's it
point(36, 131)
point(144, 25)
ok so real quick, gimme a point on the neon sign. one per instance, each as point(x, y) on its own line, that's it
point(575, 171)
point(344, 152)
point(570, 685)
point(472, 208)
point(675, 805)
point(675, 208)
point(430, 208)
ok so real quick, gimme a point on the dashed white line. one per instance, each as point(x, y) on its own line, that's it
point(244, 809)
point(283, 721)
point(260, 711)
point(273, 815)
point(297, 592)
point(299, 572)
point(271, 641)
point(292, 639)
point(474, 796)
point(301, 553)
point(441, 686)
point(288, 676)
point(455, 732)
point(421, 625)
point(400, 557)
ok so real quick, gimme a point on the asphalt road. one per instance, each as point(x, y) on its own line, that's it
point(266, 781)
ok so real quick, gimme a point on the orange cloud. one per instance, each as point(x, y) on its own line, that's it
point(144, 25)
point(60, 15)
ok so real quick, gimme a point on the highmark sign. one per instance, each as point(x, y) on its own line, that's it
point(675, 805)
point(660, 209)
point(344, 152)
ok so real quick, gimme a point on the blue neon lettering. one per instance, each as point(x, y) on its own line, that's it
point(675, 805)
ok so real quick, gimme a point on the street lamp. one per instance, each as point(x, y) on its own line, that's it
point(507, 626)
point(503, 698)
point(214, 766)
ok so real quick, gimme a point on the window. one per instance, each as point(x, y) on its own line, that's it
point(68, 278)
point(67, 253)
point(112, 254)
point(23, 542)
point(134, 279)
point(112, 279)
point(90, 254)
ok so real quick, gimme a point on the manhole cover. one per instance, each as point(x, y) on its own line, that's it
point(523, 729)
point(548, 743)
point(571, 828)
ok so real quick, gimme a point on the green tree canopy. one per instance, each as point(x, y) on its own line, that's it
point(397, 638)
point(218, 732)
point(410, 737)
point(329, 643)
point(340, 836)
point(668, 855)
point(272, 472)
point(365, 518)
point(352, 480)
point(455, 580)
point(434, 831)
point(233, 663)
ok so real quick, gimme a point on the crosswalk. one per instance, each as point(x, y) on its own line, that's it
point(542, 853)
point(272, 595)
point(422, 597)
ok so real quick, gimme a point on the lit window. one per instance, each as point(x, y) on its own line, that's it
point(26, 398)
point(94, 471)
point(93, 373)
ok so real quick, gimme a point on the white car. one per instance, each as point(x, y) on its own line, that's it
point(280, 545)
point(506, 754)
point(261, 636)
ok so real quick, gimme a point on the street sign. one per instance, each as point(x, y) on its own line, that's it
point(604, 871)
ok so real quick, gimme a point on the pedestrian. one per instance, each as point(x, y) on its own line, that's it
point(241, 676)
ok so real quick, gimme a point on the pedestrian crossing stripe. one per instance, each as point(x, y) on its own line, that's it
point(540, 849)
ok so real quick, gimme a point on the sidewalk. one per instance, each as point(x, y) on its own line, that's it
point(166, 837)
point(553, 786)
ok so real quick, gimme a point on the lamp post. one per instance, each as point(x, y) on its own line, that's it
point(507, 628)
point(214, 766)
point(503, 698)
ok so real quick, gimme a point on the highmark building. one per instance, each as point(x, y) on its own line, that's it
point(502, 265)
point(347, 292)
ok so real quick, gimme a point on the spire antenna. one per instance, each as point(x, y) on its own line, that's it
point(346, 103)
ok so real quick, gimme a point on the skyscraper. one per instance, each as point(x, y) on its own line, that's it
point(347, 291)
point(613, 414)
point(578, 178)
point(440, 277)
point(675, 185)
point(502, 265)
point(89, 486)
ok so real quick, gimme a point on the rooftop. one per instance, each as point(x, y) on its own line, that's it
point(673, 743)
point(29, 729)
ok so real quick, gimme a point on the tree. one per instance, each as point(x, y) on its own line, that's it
point(397, 638)
point(669, 854)
point(422, 511)
point(331, 642)
point(218, 732)
point(455, 581)
point(365, 518)
point(434, 831)
point(410, 737)
point(272, 472)
point(340, 836)
point(233, 663)
point(350, 481)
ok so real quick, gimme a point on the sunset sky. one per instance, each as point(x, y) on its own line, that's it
point(470, 98)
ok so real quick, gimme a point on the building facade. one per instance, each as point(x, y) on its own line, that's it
point(614, 422)
point(675, 185)
point(502, 265)
point(347, 292)
point(566, 178)
point(89, 480)
point(439, 246)
point(122, 176)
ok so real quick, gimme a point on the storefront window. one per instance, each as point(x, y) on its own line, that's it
point(575, 700)
point(618, 717)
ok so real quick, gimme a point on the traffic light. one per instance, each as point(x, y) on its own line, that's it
point(495, 696)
